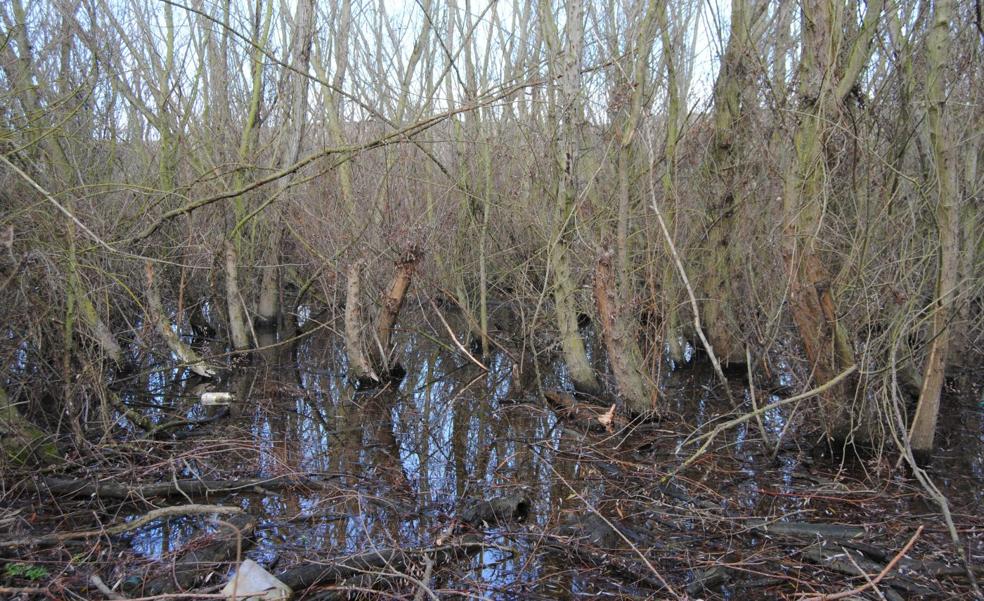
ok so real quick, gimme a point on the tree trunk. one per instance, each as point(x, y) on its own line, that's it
point(268, 307)
point(947, 218)
point(238, 331)
point(619, 334)
point(564, 61)
point(826, 76)
point(360, 369)
point(571, 343)
point(720, 266)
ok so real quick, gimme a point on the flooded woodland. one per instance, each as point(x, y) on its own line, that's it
point(576, 299)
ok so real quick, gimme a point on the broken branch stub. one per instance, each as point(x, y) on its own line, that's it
point(365, 368)
point(392, 303)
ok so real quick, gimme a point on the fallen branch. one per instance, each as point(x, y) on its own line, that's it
point(393, 559)
point(709, 437)
point(872, 582)
point(155, 310)
point(156, 514)
point(71, 487)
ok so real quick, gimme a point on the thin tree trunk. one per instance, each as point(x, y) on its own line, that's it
point(720, 266)
point(826, 78)
point(923, 426)
point(565, 63)
point(360, 368)
point(237, 320)
point(268, 307)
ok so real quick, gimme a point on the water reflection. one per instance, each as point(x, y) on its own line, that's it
point(398, 463)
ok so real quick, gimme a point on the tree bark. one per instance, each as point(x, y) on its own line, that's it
point(392, 303)
point(268, 307)
point(720, 267)
point(564, 62)
point(619, 335)
point(826, 77)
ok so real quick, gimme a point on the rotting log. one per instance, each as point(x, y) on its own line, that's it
point(155, 310)
point(196, 564)
point(624, 354)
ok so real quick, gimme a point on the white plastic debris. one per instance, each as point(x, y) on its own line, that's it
point(216, 398)
point(253, 583)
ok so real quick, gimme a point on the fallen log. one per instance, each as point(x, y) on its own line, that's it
point(808, 531)
point(74, 487)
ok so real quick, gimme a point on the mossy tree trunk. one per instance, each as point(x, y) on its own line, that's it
point(21, 442)
point(733, 97)
point(619, 334)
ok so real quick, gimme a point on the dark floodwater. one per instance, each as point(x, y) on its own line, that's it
point(400, 463)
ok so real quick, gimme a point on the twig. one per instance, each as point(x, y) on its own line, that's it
point(458, 344)
point(97, 582)
point(751, 394)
